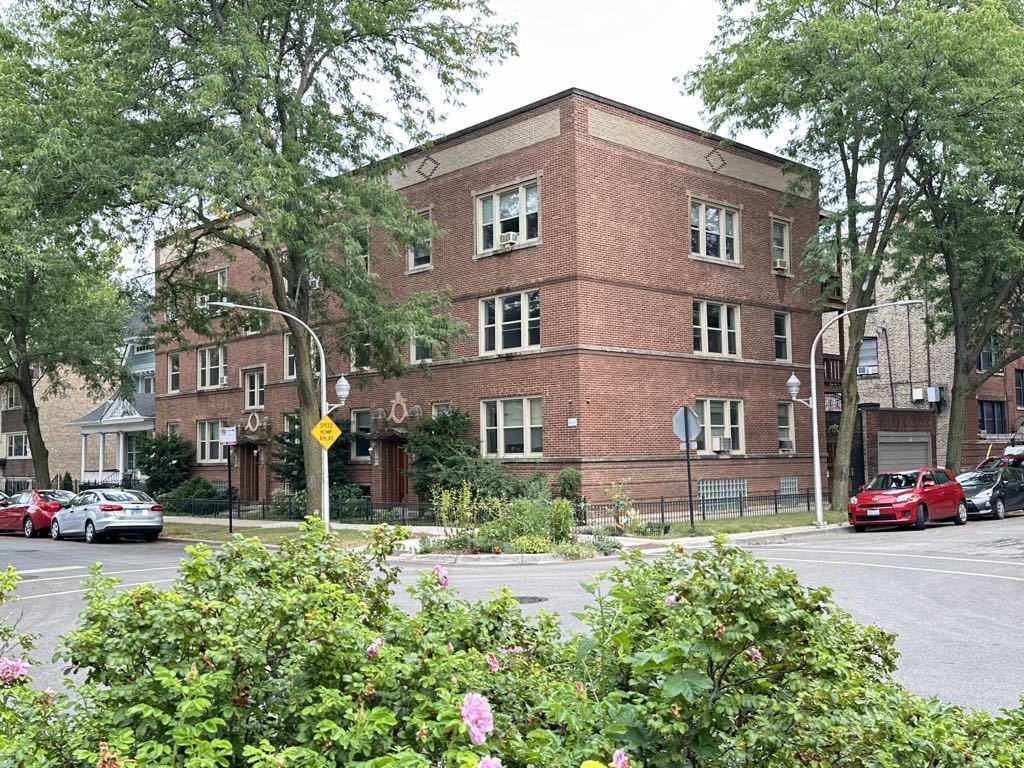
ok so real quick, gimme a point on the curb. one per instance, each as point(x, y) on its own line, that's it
point(752, 537)
point(480, 559)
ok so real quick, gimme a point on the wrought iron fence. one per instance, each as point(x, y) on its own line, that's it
point(356, 511)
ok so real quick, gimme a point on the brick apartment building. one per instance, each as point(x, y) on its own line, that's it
point(647, 266)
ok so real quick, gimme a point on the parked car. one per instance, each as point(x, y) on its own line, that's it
point(1006, 460)
point(993, 492)
point(102, 513)
point(31, 511)
point(914, 497)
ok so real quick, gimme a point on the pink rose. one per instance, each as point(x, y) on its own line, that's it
point(442, 575)
point(492, 662)
point(579, 687)
point(755, 655)
point(373, 648)
point(489, 762)
point(619, 759)
point(670, 600)
point(12, 669)
point(450, 647)
point(476, 714)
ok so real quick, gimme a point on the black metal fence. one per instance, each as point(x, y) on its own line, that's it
point(356, 511)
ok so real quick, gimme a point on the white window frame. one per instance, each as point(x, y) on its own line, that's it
point(703, 410)
point(173, 369)
point(413, 353)
point(26, 449)
point(495, 197)
point(786, 431)
point(173, 428)
point(788, 337)
point(524, 322)
point(411, 267)
point(206, 437)
point(724, 329)
point(141, 345)
point(794, 485)
point(436, 409)
point(204, 369)
point(355, 367)
point(291, 365)
point(868, 370)
point(220, 276)
point(259, 393)
point(12, 397)
point(144, 376)
point(354, 426)
point(499, 427)
point(723, 211)
point(783, 252)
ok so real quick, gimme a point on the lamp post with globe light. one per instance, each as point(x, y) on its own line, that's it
point(341, 389)
point(793, 384)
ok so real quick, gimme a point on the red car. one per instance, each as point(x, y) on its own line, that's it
point(914, 497)
point(31, 511)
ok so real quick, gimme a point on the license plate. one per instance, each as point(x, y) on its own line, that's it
point(872, 512)
point(138, 512)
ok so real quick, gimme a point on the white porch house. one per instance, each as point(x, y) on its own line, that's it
point(110, 440)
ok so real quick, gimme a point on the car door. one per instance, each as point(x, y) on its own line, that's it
point(13, 512)
point(1014, 495)
point(77, 513)
point(937, 495)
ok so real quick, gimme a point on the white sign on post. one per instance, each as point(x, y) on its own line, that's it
point(228, 436)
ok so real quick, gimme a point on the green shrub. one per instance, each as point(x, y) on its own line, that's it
point(606, 545)
point(561, 518)
point(165, 459)
point(531, 545)
point(67, 483)
point(196, 496)
point(574, 550)
point(570, 484)
point(537, 487)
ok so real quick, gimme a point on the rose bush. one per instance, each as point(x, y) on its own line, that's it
point(299, 657)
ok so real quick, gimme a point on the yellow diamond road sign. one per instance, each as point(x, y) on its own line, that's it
point(326, 432)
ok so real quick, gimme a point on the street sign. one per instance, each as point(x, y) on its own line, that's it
point(326, 432)
point(228, 436)
point(685, 424)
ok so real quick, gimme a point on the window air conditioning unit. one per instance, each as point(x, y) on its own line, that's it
point(508, 238)
point(721, 444)
point(780, 265)
point(867, 370)
point(785, 446)
point(917, 394)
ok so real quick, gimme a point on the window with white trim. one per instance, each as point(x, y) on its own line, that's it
point(208, 450)
point(784, 416)
point(716, 328)
point(360, 357)
point(219, 278)
point(12, 397)
point(420, 256)
point(512, 212)
point(789, 485)
point(361, 435)
point(255, 322)
point(512, 427)
point(867, 360)
point(510, 322)
point(142, 345)
point(173, 428)
point(213, 367)
point(714, 231)
point(17, 446)
point(289, 357)
point(145, 383)
point(254, 384)
point(420, 351)
point(781, 323)
point(722, 425)
point(173, 372)
point(438, 408)
point(780, 245)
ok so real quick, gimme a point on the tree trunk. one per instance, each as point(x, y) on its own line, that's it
point(30, 417)
point(848, 420)
point(958, 414)
point(309, 415)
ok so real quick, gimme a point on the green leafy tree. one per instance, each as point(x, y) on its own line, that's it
point(165, 460)
point(67, 483)
point(266, 123)
point(864, 86)
point(287, 461)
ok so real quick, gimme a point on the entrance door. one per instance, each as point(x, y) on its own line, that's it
point(248, 472)
point(396, 462)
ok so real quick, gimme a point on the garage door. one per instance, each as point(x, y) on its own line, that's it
point(904, 450)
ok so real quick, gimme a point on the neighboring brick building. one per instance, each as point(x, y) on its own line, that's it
point(653, 267)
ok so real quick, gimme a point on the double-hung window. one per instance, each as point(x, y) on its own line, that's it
point(255, 384)
point(716, 328)
point(438, 408)
point(361, 435)
point(867, 361)
point(12, 397)
point(722, 425)
point(360, 357)
point(213, 367)
point(173, 372)
point(781, 320)
point(512, 427)
point(289, 357)
point(1018, 385)
point(144, 383)
point(420, 256)
point(420, 351)
point(220, 281)
point(510, 322)
point(17, 446)
point(987, 358)
point(508, 217)
point(714, 231)
point(785, 419)
point(780, 245)
point(208, 450)
point(992, 417)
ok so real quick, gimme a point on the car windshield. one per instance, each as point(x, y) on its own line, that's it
point(55, 495)
point(126, 496)
point(977, 478)
point(991, 464)
point(889, 481)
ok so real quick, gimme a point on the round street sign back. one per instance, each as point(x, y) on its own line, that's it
point(685, 424)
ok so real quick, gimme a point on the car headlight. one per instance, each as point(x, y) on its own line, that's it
point(983, 499)
point(853, 499)
point(904, 497)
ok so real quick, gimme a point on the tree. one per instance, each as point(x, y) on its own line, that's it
point(266, 122)
point(164, 459)
point(287, 461)
point(865, 84)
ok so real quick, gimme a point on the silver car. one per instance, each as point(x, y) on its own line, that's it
point(95, 515)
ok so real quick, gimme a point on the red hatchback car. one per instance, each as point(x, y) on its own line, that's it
point(914, 497)
point(31, 511)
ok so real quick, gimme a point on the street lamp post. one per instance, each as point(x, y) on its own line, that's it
point(341, 389)
point(793, 384)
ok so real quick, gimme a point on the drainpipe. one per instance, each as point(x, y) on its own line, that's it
point(888, 364)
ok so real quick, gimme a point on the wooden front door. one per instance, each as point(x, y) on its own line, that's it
point(396, 462)
point(248, 472)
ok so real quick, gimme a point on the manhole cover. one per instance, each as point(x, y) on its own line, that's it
point(525, 599)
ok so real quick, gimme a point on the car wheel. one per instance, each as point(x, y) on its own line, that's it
point(920, 518)
point(860, 528)
point(28, 527)
point(150, 536)
point(55, 530)
point(999, 512)
point(91, 536)
point(961, 513)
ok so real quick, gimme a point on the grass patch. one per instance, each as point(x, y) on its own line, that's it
point(208, 532)
point(745, 524)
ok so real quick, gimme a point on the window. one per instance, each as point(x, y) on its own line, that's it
point(420, 351)
point(363, 240)
point(173, 428)
point(782, 336)
point(142, 345)
point(867, 362)
point(255, 322)
point(361, 357)
point(131, 452)
point(992, 417)
point(513, 427)
point(721, 495)
point(361, 432)
point(208, 442)
point(144, 383)
point(514, 210)
point(785, 418)
point(213, 367)
point(716, 328)
point(510, 322)
point(12, 397)
point(438, 408)
point(713, 232)
point(789, 486)
point(220, 280)
point(289, 357)
point(1018, 385)
point(987, 358)
point(722, 426)
point(780, 245)
point(173, 372)
point(17, 446)
point(254, 383)
point(419, 256)
point(293, 426)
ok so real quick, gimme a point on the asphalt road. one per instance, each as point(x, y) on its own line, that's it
point(955, 596)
